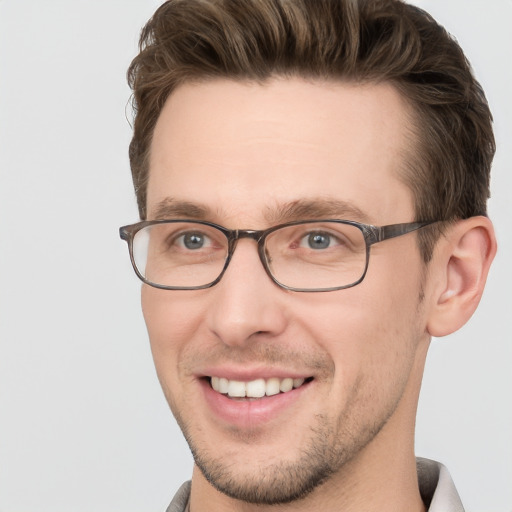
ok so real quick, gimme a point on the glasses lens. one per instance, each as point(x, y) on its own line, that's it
point(317, 255)
point(180, 254)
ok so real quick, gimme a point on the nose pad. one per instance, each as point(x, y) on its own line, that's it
point(246, 301)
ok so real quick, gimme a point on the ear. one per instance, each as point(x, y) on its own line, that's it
point(461, 263)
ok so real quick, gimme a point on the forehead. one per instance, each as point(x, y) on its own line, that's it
point(240, 150)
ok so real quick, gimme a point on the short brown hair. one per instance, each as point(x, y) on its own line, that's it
point(357, 40)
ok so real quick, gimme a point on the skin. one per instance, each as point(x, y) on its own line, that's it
point(240, 153)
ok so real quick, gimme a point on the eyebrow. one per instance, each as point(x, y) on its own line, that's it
point(317, 208)
point(301, 209)
point(170, 208)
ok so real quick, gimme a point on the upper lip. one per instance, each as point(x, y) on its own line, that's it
point(249, 374)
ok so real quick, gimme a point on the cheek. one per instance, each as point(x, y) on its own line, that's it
point(172, 319)
point(371, 332)
point(390, 335)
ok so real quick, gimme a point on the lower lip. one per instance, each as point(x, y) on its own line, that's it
point(250, 413)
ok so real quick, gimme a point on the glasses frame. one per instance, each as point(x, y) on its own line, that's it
point(372, 235)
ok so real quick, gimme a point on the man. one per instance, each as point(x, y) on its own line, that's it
point(290, 333)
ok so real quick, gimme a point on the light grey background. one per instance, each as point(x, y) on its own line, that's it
point(83, 424)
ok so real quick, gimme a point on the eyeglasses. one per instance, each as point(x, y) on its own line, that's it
point(302, 256)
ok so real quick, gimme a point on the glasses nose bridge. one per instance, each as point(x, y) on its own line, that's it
point(257, 235)
point(248, 233)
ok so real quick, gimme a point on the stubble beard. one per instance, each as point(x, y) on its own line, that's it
point(331, 444)
point(329, 448)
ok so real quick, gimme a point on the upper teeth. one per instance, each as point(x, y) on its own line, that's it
point(254, 388)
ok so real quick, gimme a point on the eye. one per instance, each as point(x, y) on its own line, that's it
point(318, 240)
point(193, 240)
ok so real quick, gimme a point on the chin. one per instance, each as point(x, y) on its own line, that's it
point(271, 478)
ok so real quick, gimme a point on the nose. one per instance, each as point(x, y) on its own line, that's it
point(246, 303)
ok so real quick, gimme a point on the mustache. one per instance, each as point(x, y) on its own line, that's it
point(262, 354)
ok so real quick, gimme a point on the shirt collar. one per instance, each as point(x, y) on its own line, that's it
point(437, 488)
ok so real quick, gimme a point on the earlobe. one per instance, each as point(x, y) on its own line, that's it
point(462, 263)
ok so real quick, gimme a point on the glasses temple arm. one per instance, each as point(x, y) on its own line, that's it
point(378, 234)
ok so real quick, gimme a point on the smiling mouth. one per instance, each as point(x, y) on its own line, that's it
point(257, 388)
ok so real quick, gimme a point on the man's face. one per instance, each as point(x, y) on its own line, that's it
point(250, 156)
